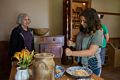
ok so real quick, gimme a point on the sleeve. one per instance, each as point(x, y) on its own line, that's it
point(97, 38)
point(12, 43)
point(105, 30)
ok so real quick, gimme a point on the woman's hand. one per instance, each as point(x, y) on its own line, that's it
point(68, 52)
point(70, 43)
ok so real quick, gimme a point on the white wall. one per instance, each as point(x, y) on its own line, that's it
point(111, 21)
point(43, 13)
point(48, 13)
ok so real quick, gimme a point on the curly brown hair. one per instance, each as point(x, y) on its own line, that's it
point(92, 21)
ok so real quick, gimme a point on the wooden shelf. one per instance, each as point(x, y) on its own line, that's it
point(109, 13)
point(71, 17)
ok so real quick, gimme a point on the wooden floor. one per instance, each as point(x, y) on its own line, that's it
point(110, 74)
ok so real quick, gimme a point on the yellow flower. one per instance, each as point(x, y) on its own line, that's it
point(17, 55)
point(24, 57)
point(32, 53)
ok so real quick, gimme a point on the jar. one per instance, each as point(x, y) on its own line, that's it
point(43, 66)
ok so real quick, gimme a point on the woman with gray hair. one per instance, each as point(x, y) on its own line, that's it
point(21, 36)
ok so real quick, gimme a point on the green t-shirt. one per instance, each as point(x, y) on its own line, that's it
point(105, 31)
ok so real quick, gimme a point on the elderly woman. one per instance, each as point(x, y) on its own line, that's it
point(88, 41)
point(21, 36)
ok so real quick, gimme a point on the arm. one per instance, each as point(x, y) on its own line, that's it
point(105, 31)
point(96, 42)
point(13, 43)
point(107, 37)
point(89, 52)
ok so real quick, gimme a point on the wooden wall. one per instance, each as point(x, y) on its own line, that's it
point(4, 63)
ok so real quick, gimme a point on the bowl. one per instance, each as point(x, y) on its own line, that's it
point(84, 72)
point(40, 31)
point(59, 71)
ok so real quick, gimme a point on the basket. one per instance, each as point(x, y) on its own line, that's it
point(40, 31)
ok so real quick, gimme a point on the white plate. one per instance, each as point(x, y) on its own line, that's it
point(71, 70)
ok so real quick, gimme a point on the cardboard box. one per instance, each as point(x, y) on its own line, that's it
point(114, 54)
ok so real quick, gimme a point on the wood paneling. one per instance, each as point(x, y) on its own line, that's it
point(4, 61)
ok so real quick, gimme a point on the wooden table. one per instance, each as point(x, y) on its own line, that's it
point(57, 62)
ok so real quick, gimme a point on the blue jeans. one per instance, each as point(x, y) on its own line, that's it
point(102, 55)
point(97, 71)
